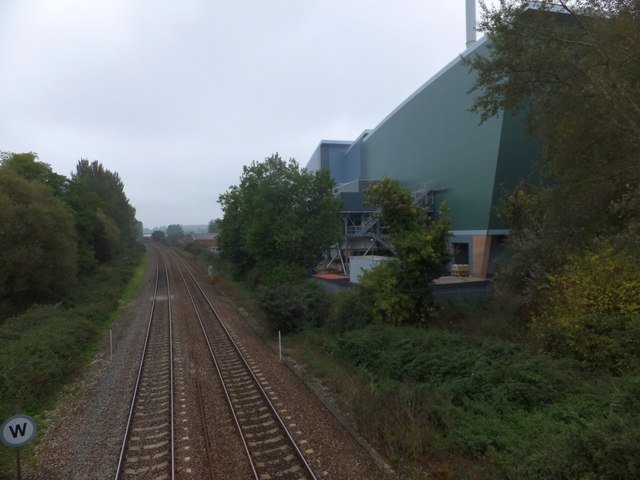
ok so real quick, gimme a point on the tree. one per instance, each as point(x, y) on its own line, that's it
point(105, 220)
point(214, 226)
point(159, 236)
point(37, 242)
point(401, 289)
point(279, 219)
point(174, 232)
point(106, 237)
point(28, 167)
point(109, 188)
point(572, 68)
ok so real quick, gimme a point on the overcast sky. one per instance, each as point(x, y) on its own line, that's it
point(177, 95)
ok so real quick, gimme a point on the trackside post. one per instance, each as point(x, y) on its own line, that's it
point(17, 431)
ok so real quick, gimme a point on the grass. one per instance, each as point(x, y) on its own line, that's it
point(134, 284)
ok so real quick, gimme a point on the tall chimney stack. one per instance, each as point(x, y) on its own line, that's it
point(471, 22)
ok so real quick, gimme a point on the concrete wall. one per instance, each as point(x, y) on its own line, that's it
point(358, 265)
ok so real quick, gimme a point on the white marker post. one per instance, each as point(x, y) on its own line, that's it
point(279, 346)
point(17, 431)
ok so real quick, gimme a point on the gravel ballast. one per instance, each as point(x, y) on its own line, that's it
point(81, 438)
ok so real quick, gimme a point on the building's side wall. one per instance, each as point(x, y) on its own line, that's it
point(333, 160)
point(434, 138)
point(517, 154)
point(352, 162)
point(314, 164)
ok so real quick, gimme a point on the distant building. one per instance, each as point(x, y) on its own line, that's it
point(433, 145)
point(207, 240)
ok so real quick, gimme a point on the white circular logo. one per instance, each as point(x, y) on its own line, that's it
point(18, 430)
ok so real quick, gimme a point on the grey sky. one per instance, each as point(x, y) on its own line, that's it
point(176, 96)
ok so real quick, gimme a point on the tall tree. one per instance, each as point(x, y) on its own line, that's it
point(401, 289)
point(28, 167)
point(114, 203)
point(214, 226)
point(174, 232)
point(279, 215)
point(37, 242)
point(159, 236)
point(573, 68)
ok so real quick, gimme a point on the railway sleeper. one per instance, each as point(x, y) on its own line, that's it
point(244, 413)
point(268, 441)
point(262, 433)
point(260, 425)
point(271, 451)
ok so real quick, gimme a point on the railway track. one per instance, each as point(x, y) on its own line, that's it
point(148, 445)
point(270, 448)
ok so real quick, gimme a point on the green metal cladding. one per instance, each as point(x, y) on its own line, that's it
point(434, 137)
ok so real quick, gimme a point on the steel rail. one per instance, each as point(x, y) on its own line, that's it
point(218, 370)
point(264, 395)
point(207, 441)
point(139, 375)
point(171, 414)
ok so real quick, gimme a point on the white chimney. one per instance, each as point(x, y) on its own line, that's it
point(471, 22)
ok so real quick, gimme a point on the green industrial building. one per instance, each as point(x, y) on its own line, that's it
point(434, 145)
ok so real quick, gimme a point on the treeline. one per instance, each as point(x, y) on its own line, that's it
point(55, 230)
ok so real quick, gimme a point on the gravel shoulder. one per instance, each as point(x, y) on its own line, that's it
point(82, 436)
point(333, 448)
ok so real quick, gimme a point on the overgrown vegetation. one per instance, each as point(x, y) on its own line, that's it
point(43, 347)
point(476, 407)
point(67, 250)
point(289, 307)
point(56, 230)
point(471, 397)
point(592, 310)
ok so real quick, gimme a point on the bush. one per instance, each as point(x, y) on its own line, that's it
point(591, 310)
point(462, 367)
point(43, 358)
point(288, 307)
point(381, 287)
point(350, 309)
point(492, 409)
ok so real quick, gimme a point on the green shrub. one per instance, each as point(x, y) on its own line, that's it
point(381, 287)
point(478, 406)
point(350, 309)
point(288, 307)
point(43, 358)
point(462, 367)
point(591, 310)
